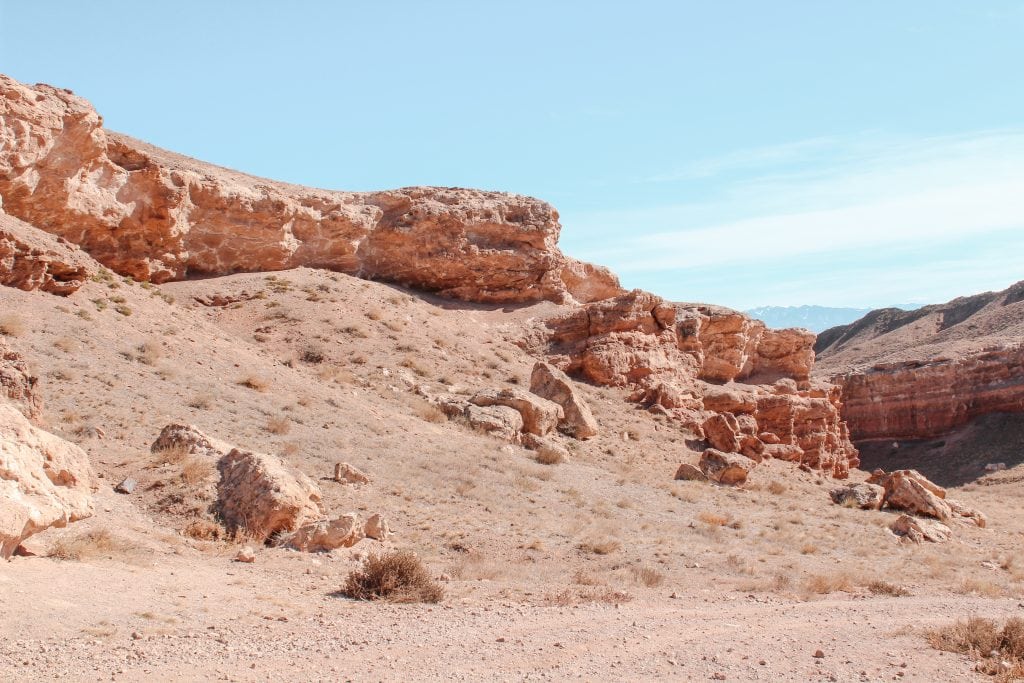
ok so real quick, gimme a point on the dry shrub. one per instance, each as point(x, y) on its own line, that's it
point(546, 455)
point(255, 382)
point(648, 576)
point(414, 365)
point(201, 402)
point(314, 355)
point(776, 487)
point(91, 544)
point(716, 519)
point(195, 470)
point(66, 344)
point(981, 587)
point(374, 314)
point(425, 410)
point(12, 325)
point(397, 576)
point(879, 587)
point(148, 353)
point(1000, 651)
point(204, 530)
point(823, 584)
point(172, 454)
point(569, 597)
point(601, 546)
point(278, 425)
point(474, 566)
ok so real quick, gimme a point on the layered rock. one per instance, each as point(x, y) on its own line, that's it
point(45, 481)
point(156, 216)
point(17, 384)
point(32, 259)
point(551, 383)
point(724, 376)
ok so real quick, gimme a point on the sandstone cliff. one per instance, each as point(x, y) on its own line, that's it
point(154, 215)
point(725, 377)
point(924, 373)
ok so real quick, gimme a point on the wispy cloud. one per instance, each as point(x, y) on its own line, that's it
point(823, 199)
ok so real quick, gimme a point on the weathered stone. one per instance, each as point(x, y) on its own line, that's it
point(245, 554)
point(540, 416)
point(326, 535)
point(725, 468)
point(377, 528)
point(910, 491)
point(917, 530)
point(347, 474)
point(721, 431)
point(32, 259)
point(500, 421)
point(45, 481)
point(189, 439)
point(17, 384)
point(688, 472)
point(554, 385)
point(258, 493)
point(863, 496)
point(126, 486)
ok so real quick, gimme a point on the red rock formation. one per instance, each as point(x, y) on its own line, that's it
point(723, 375)
point(154, 215)
point(32, 259)
point(17, 384)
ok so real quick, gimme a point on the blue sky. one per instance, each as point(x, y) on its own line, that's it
point(742, 153)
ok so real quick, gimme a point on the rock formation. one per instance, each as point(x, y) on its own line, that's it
point(189, 439)
point(44, 480)
point(722, 375)
point(925, 373)
point(32, 259)
point(551, 383)
point(17, 384)
point(154, 215)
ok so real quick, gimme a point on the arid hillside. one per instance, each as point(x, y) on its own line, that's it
point(198, 464)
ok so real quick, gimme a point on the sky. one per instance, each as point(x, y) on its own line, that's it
point(749, 153)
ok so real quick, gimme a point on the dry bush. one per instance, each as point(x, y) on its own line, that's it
point(414, 365)
point(355, 331)
point(173, 454)
point(278, 425)
point(1000, 652)
point(195, 470)
point(148, 353)
point(291, 448)
point(776, 487)
point(570, 597)
point(475, 566)
point(66, 344)
point(91, 544)
point(374, 314)
point(425, 410)
point(546, 455)
point(879, 587)
point(604, 545)
point(314, 355)
point(12, 325)
point(397, 576)
point(647, 576)
point(823, 584)
point(255, 382)
point(981, 587)
point(201, 402)
point(716, 519)
point(204, 530)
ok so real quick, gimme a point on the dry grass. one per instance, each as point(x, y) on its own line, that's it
point(605, 545)
point(426, 410)
point(173, 455)
point(148, 353)
point(647, 576)
point(255, 382)
point(195, 470)
point(717, 519)
point(999, 651)
point(415, 366)
point(546, 455)
point(66, 344)
point(397, 576)
point(314, 355)
point(204, 530)
point(776, 487)
point(92, 544)
point(879, 587)
point(201, 402)
point(12, 325)
point(278, 425)
point(570, 597)
point(823, 584)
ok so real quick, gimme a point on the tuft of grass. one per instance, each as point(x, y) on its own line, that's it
point(255, 382)
point(12, 325)
point(823, 584)
point(601, 546)
point(412, 364)
point(91, 544)
point(647, 576)
point(880, 587)
point(999, 651)
point(195, 470)
point(278, 425)
point(397, 576)
point(204, 530)
point(546, 455)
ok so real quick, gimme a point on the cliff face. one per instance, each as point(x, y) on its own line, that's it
point(925, 373)
point(157, 216)
point(725, 377)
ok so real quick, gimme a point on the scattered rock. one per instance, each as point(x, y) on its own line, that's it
point(246, 554)
point(45, 481)
point(688, 472)
point(540, 416)
point(863, 496)
point(325, 535)
point(721, 430)
point(258, 493)
point(551, 383)
point(500, 421)
point(725, 468)
point(917, 530)
point(818, 654)
point(910, 491)
point(347, 474)
point(126, 486)
point(377, 528)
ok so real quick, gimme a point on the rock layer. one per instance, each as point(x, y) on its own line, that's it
point(17, 384)
point(154, 215)
point(723, 375)
point(32, 259)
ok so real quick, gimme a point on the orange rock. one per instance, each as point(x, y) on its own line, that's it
point(257, 492)
point(32, 259)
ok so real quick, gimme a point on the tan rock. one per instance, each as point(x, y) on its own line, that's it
point(377, 528)
point(965, 512)
point(725, 468)
point(258, 493)
point(191, 440)
point(863, 496)
point(554, 385)
point(45, 481)
point(32, 259)
point(910, 491)
point(688, 472)
point(17, 384)
point(721, 431)
point(246, 554)
point(917, 530)
point(546, 447)
point(540, 416)
point(326, 535)
point(347, 474)
point(500, 421)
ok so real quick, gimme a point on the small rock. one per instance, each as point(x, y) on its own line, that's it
point(818, 654)
point(246, 554)
point(347, 474)
point(126, 486)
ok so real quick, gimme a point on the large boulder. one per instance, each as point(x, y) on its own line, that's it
point(190, 439)
point(551, 383)
point(44, 480)
point(910, 491)
point(725, 468)
point(863, 496)
point(917, 530)
point(540, 416)
point(500, 421)
point(259, 494)
point(326, 535)
point(721, 431)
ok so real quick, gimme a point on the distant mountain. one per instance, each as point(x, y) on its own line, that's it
point(813, 318)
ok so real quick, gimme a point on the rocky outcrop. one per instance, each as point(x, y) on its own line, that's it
point(723, 376)
point(551, 383)
point(326, 535)
point(45, 481)
point(259, 494)
point(917, 530)
point(864, 496)
point(725, 468)
point(154, 215)
point(17, 384)
point(32, 259)
point(345, 473)
point(540, 416)
point(189, 439)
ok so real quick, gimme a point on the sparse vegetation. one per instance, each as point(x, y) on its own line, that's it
point(96, 543)
point(12, 325)
point(255, 382)
point(999, 651)
point(397, 576)
point(278, 425)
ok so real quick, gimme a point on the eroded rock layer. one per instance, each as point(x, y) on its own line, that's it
point(154, 215)
point(730, 380)
point(32, 259)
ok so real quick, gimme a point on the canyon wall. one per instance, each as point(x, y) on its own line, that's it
point(154, 215)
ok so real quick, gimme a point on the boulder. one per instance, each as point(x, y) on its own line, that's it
point(45, 481)
point(963, 512)
point(551, 383)
point(326, 535)
point(189, 439)
point(17, 384)
point(258, 493)
point(910, 491)
point(863, 496)
point(32, 259)
point(347, 474)
point(720, 430)
point(540, 416)
point(500, 421)
point(917, 530)
point(546, 447)
point(377, 528)
point(688, 472)
point(725, 468)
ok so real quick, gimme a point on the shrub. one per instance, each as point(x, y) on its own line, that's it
point(204, 530)
point(548, 456)
point(95, 543)
point(648, 576)
point(879, 587)
point(12, 325)
point(397, 576)
point(279, 425)
point(1000, 652)
point(601, 546)
point(314, 355)
point(255, 383)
